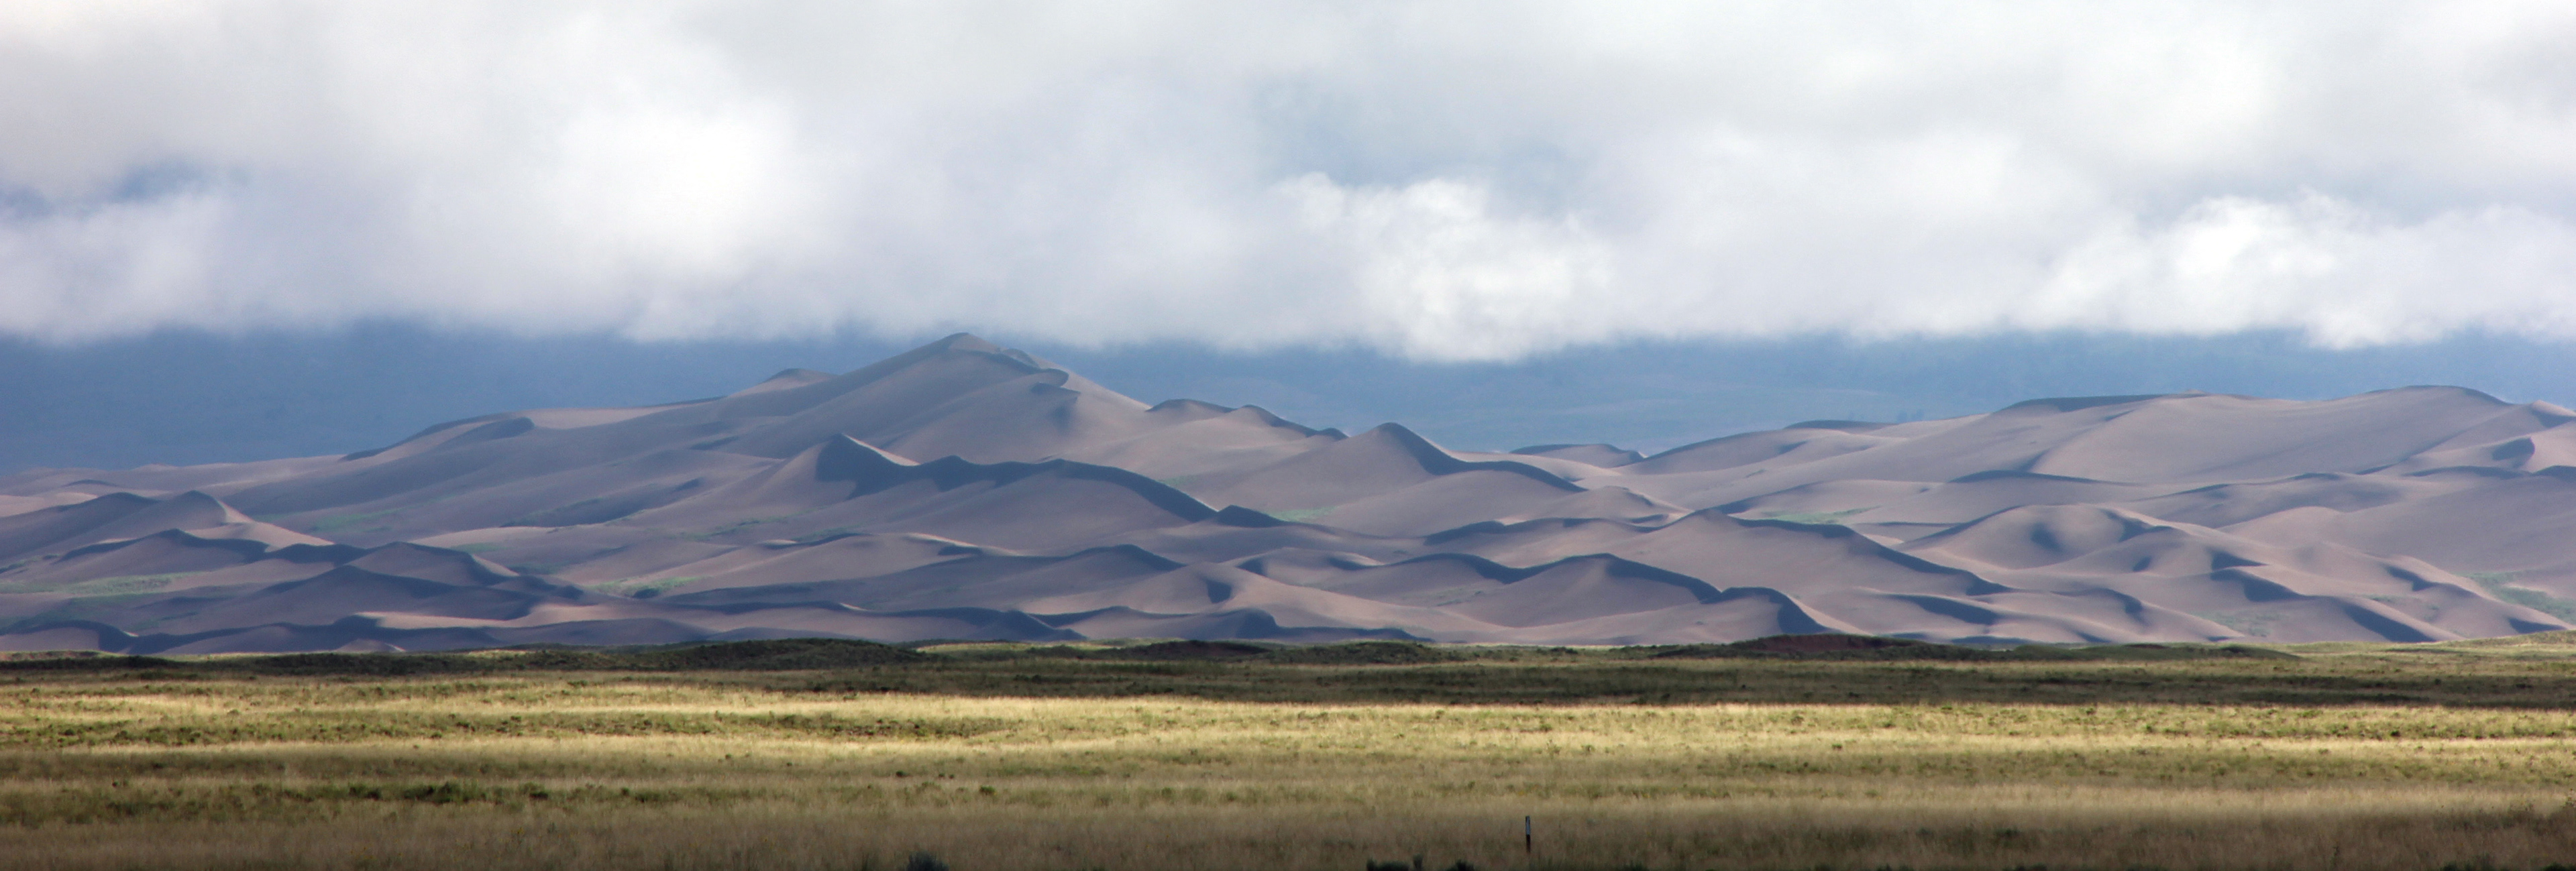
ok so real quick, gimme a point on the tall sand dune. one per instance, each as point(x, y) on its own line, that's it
point(967, 490)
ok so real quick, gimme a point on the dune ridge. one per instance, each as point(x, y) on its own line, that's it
point(966, 490)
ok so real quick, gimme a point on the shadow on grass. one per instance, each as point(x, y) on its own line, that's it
point(1810, 669)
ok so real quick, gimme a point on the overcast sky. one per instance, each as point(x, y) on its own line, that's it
point(1435, 181)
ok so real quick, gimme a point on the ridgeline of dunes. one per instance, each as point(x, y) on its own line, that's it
point(968, 491)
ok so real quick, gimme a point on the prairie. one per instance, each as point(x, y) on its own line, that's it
point(1003, 757)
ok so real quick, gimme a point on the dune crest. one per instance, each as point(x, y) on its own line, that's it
point(967, 490)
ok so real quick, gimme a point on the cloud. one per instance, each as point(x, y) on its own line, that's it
point(1441, 180)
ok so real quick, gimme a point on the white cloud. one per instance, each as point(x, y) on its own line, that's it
point(1434, 272)
point(1442, 180)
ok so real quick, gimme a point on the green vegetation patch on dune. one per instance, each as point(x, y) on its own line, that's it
point(1814, 517)
point(645, 588)
point(342, 522)
point(2501, 585)
point(80, 608)
point(738, 526)
point(112, 586)
point(559, 515)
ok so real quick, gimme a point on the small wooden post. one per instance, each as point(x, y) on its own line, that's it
point(1529, 841)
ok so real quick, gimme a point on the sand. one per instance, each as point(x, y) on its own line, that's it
point(965, 490)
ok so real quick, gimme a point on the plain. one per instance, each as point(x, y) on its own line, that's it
point(1230, 757)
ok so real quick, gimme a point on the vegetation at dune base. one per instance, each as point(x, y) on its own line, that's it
point(1797, 753)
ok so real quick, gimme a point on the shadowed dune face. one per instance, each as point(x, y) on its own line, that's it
point(965, 490)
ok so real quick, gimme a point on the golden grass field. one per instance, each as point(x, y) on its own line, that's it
point(2347, 757)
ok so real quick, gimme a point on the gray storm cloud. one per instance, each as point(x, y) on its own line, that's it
point(1445, 181)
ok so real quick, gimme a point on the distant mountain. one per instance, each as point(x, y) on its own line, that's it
point(965, 490)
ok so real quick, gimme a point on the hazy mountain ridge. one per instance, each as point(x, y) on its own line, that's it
point(967, 490)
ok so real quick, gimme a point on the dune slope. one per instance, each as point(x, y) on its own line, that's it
point(966, 490)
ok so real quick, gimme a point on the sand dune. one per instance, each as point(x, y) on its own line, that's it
point(965, 490)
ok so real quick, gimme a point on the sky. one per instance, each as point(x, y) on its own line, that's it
point(1743, 211)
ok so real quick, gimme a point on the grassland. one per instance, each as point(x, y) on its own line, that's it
point(1216, 757)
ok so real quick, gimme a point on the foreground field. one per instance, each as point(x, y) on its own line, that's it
point(2341, 758)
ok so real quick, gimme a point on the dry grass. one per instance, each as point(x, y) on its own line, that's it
point(1934, 765)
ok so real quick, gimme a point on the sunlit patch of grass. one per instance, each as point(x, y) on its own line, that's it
point(374, 725)
point(1259, 765)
